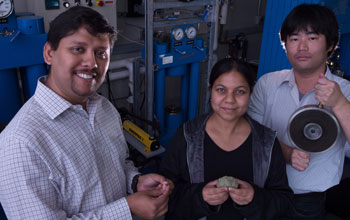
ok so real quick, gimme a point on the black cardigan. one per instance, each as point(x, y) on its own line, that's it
point(271, 201)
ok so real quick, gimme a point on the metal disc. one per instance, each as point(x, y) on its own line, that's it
point(313, 129)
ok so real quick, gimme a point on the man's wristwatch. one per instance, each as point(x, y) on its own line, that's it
point(134, 182)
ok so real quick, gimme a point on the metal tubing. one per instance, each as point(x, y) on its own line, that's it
point(149, 77)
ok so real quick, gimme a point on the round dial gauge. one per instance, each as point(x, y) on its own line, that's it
point(6, 8)
point(191, 32)
point(178, 34)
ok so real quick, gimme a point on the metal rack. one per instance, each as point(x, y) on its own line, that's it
point(150, 24)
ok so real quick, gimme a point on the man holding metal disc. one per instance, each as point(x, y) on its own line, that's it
point(307, 103)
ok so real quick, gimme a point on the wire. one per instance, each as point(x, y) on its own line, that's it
point(128, 39)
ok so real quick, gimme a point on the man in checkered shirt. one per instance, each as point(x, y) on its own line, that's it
point(64, 154)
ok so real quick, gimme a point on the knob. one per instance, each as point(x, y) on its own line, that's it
point(66, 4)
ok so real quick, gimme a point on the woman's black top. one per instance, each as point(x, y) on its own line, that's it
point(236, 163)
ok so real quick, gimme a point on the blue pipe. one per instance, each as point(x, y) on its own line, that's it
point(10, 97)
point(159, 89)
point(193, 93)
point(159, 95)
point(30, 76)
point(184, 93)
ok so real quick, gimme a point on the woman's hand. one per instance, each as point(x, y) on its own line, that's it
point(213, 195)
point(242, 195)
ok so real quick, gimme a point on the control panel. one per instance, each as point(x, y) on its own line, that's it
point(49, 9)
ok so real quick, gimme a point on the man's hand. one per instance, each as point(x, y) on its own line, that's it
point(299, 160)
point(213, 195)
point(242, 195)
point(149, 204)
point(328, 92)
point(153, 181)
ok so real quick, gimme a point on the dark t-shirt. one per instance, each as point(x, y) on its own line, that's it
point(218, 163)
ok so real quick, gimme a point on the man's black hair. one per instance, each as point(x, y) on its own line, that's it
point(319, 18)
point(76, 17)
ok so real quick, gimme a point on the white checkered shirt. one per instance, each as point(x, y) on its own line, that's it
point(58, 161)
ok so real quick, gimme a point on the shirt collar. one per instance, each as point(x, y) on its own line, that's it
point(290, 78)
point(329, 75)
point(51, 102)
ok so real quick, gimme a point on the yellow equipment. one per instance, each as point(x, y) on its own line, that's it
point(151, 144)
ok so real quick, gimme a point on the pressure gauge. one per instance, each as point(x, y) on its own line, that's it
point(6, 8)
point(191, 32)
point(178, 34)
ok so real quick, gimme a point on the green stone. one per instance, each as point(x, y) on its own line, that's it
point(227, 181)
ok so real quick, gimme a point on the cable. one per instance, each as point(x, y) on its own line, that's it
point(128, 39)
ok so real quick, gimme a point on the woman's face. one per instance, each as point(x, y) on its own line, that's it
point(230, 96)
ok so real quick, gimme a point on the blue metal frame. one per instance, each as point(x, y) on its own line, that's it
point(173, 59)
point(21, 44)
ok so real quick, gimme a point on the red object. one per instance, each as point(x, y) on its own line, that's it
point(101, 3)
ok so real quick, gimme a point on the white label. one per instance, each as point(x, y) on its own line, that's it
point(167, 60)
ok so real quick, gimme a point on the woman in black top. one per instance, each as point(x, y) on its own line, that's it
point(226, 142)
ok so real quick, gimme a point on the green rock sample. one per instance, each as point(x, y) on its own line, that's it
point(227, 181)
